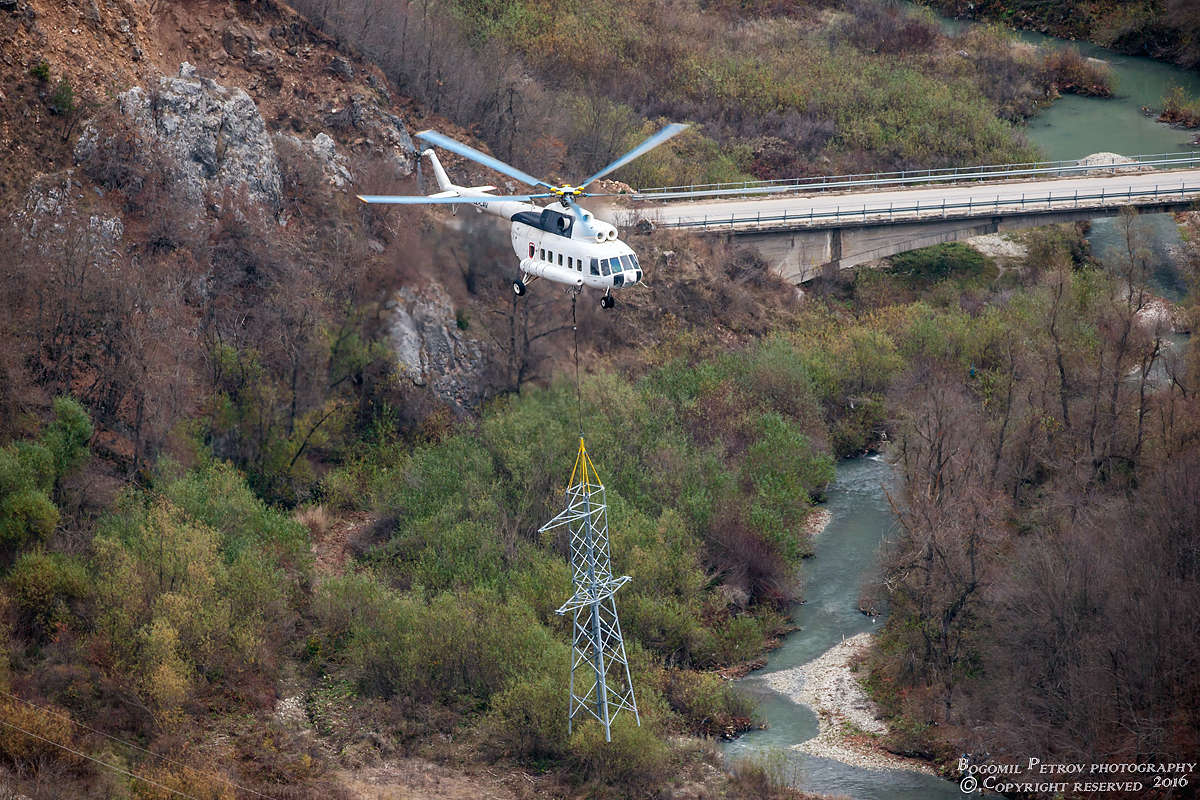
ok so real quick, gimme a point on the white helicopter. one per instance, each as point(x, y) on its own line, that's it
point(560, 242)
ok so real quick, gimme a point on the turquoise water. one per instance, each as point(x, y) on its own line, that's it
point(846, 558)
point(1074, 127)
point(846, 552)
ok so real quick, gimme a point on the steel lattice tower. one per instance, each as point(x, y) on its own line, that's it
point(597, 647)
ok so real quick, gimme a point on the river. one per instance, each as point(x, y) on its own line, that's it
point(1074, 127)
point(846, 553)
point(845, 556)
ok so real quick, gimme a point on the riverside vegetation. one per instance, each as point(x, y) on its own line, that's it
point(774, 89)
point(184, 416)
point(1166, 29)
point(1042, 586)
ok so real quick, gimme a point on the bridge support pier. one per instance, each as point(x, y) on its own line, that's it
point(801, 253)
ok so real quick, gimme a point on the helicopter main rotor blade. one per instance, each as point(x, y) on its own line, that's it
point(418, 200)
point(645, 147)
point(575, 209)
point(433, 137)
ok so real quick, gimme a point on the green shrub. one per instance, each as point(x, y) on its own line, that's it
point(25, 512)
point(709, 703)
point(776, 375)
point(218, 496)
point(62, 99)
point(769, 775)
point(1180, 108)
point(733, 640)
point(30, 472)
point(785, 474)
point(924, 267)
point(636, 759)
point(544, 583)
point(669, 627)
point(179, 600)
point(857, 426)
point(528, 720)
point(43, 587)
point(453, 646)
point(68, 436)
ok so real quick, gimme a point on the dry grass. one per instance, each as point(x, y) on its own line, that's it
point(316, 519)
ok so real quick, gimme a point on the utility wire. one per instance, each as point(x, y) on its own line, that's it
point(98, 761)
point(578, 393)
point(74, 721)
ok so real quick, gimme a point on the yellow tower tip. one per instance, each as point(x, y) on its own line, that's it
point(584, 468)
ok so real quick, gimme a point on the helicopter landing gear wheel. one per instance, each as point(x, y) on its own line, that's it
point(607, 301)
point(518, 288)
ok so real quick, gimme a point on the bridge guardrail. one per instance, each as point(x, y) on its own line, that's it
point(937, 210)
point(905, 177)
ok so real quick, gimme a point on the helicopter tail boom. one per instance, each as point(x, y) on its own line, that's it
point(443, 180)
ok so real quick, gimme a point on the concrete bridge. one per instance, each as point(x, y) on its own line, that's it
point(802, 235)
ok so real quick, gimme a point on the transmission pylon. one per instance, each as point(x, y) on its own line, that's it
point(602, 687)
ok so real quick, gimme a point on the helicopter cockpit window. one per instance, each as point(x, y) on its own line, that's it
point(604, 266)
point(625, 262)
point(595, 266)
point(633, 259)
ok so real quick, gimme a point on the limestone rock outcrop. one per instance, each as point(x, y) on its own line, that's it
point(216, 136)
point(378, 129)
point(324, 149)
point(430, 348)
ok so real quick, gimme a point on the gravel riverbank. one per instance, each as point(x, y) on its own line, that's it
point(817, 521)
point(831, 690)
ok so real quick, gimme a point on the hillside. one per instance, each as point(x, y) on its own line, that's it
point(258, 366)
point(273, 463)
point(774, 90)
point(1165, 29)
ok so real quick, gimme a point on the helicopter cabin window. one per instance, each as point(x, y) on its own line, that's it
point(531, 250)
point(604, 266)
point(570, 263)
point(560, 259)
point(595, 266)
point(542, 254)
